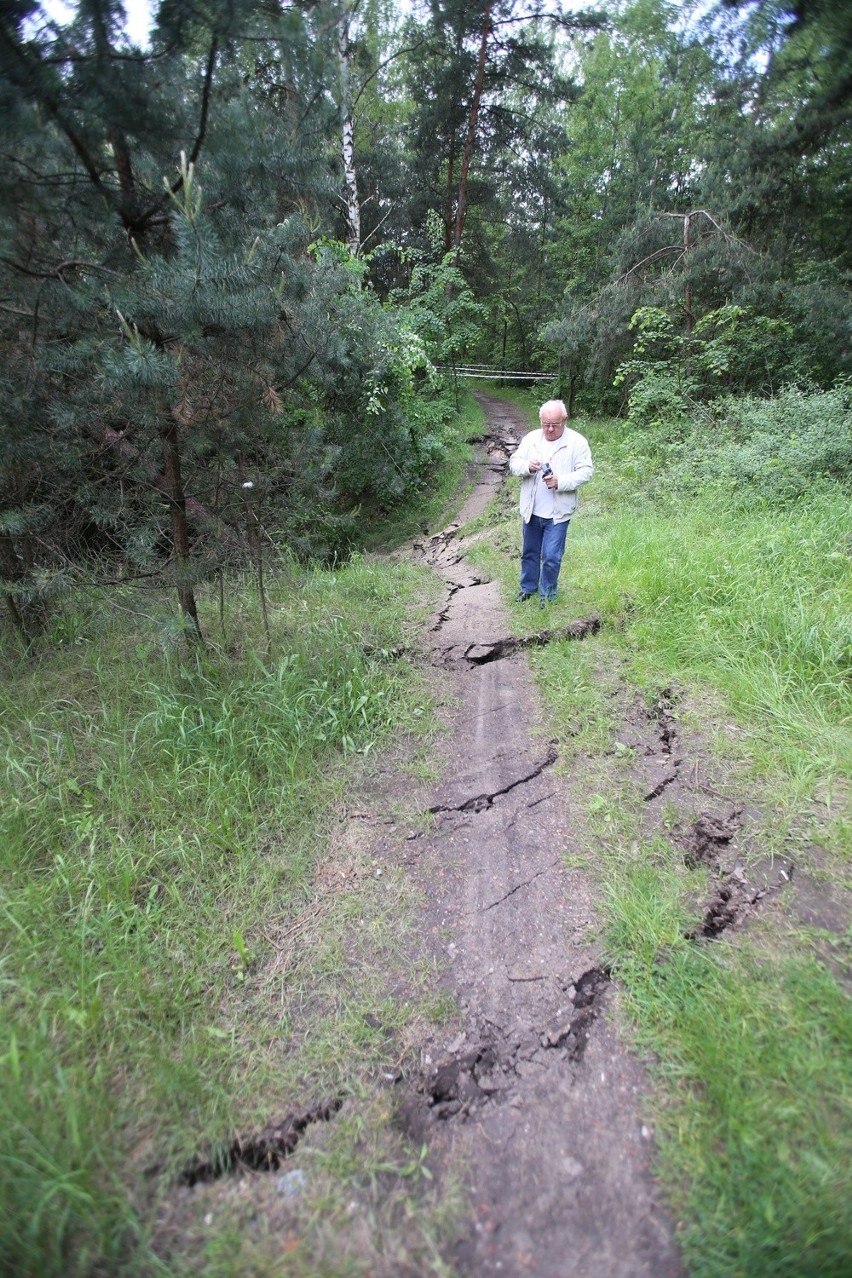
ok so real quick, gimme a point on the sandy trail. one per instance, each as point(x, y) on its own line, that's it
point(536, 1098)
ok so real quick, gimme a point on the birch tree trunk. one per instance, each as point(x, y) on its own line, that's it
point(353, 206)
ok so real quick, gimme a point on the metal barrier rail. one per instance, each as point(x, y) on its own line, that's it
point(494, 374)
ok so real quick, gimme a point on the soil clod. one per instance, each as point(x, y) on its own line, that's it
point(707, 838)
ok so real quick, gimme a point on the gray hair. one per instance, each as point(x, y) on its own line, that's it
point(553, 404)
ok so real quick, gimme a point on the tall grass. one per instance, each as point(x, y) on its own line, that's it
point(157, 812)
point(750, 1047)
point(743, 602)
point(758, 604)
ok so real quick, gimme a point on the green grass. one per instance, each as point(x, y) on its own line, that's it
point(744, 609)
point(173, 974)
point(750, 1044)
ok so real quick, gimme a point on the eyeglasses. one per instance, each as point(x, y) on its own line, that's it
point(554, 425)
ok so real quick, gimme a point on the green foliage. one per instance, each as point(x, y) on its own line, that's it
point(747, 450)
point(708, 153)
point(670, 371)
point(440, 306)
point(210, 338)
point(775, 451)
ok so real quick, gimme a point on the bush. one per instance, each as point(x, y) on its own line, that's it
point(776, 450)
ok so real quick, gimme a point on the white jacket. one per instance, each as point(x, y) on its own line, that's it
point(571, 460)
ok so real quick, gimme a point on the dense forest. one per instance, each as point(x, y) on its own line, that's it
point(240, 264)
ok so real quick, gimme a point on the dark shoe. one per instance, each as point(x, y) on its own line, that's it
point(523, 596)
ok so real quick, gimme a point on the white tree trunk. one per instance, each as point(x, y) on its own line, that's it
point(353, 207)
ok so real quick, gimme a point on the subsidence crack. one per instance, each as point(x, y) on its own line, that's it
point(261, 1152)
point(526, 883)
point(480, 802)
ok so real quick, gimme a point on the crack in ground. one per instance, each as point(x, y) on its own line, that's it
point(489, 1071)
point(263, 1152)
point(518, 887)
point(709, 838)
point(544, 798)
point(662, 718)
point(663, 784)
point(733, 903)
point(735, 899)
point(482, 654)
point(481, 802)
point(662, 715)
point(454, 588)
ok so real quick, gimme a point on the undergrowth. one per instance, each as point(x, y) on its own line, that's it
point(162, 819)
point(445, 487)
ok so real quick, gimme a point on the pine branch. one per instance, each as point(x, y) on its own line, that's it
point(145, 220)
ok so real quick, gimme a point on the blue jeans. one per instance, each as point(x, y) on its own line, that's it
point(541, 555)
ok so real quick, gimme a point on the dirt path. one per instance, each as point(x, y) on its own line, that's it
point(535, 1098)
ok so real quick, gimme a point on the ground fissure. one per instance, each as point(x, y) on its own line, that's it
point(528, 1093)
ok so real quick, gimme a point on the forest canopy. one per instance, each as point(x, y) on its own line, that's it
point(240, 264)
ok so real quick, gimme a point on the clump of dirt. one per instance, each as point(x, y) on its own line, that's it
point(708, 837)
point(492, 1070)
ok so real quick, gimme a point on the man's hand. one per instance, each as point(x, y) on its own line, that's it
point(550, 480)
point(534, 467)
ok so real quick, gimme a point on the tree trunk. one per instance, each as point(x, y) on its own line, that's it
point(448, 202)
point(353, 207)
point(688, 317)
point(472, 120)
point(113, 439)
point(180, 535)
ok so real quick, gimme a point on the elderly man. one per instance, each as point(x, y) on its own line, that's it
point(552, 463)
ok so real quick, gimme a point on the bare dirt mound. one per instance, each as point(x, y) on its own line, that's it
point(535, 1098)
